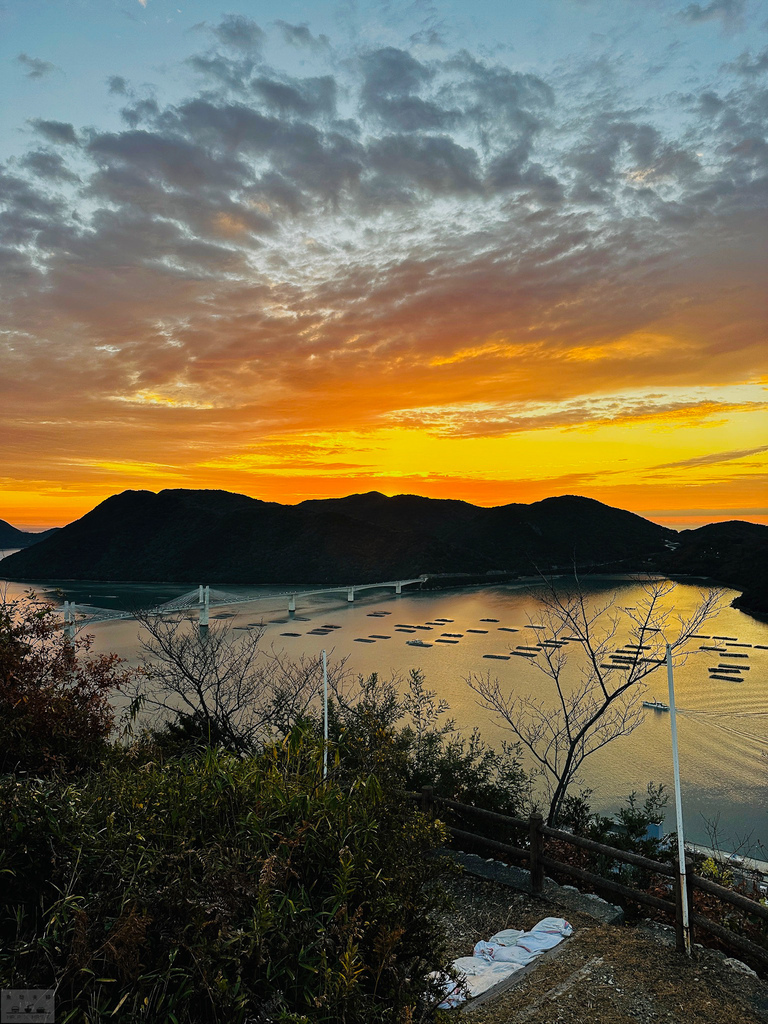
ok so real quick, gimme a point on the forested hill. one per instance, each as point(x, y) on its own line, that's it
point(735, 553)
point(10, 537)
point(219, 537)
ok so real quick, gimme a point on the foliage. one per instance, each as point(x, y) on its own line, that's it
point(377, 730)
point(54, 695)
point(714, 869)
point(215, 686)
point(219, 888)
point(219, 688)
point(628, 829)
point(602, 699)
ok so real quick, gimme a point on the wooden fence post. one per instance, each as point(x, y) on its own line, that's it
point(689, 887)
point(427, 799)
point(679, 935)
point(536, 838)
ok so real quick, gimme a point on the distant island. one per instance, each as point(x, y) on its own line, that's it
point(192, 536)
point(10, 537)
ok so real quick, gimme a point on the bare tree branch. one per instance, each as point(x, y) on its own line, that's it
point(222, 680)
point(602, 700)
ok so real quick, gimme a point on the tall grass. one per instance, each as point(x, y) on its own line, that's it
point(217, 888)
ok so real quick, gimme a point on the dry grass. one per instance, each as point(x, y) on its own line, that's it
point(604, 974)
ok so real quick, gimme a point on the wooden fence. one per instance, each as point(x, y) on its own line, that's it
point(534, 856)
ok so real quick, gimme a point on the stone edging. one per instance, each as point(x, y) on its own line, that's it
point(518, 878)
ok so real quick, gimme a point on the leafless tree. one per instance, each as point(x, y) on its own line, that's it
point(602, 699)
point(222, 680)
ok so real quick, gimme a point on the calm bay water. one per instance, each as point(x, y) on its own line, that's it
point(723, 725)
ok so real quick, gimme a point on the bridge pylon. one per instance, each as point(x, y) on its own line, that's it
point(70, 619)
point(204, 598)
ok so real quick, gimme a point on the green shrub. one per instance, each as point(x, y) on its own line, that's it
point(54, 695)
point(217, 888)
point(376, 730)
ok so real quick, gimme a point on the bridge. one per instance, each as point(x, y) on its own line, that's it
point(203, 598)
point(352, 590)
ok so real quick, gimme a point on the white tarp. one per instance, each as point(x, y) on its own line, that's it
point(500, 957)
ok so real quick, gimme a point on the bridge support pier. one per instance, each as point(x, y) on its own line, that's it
point(204, 597)
point(351, 594)
point(69, 619)
point(398, 588)
point(292, 603)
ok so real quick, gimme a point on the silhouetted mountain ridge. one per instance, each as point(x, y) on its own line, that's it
point(10, 537)
point(191, 536)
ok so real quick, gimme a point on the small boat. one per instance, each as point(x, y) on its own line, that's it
point(417, 643)
point(656, 705)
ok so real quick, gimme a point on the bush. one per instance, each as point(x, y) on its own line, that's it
point(54, 696)
point(374, 727)
point(213, 887)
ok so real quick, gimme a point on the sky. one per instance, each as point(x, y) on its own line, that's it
point(493, 251)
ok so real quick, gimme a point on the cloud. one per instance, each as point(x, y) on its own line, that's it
point(433, 162)
point(141, 110)
point(498, 419)
point(117, 85)
point(308, 97)
point(729, 12)
point(390, 242)
point(239, 33)
point(36, 68)
point(716, 457)
point(233, 74)
point(46, 164)
point(300, 36)
point(746, 65)
point(58, 132)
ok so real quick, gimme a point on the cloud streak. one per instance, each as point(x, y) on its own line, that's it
point(714, 458)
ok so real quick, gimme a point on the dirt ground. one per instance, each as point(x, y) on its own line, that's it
point(603, 974)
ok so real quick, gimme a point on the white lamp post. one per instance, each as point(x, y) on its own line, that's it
point(678, 808)
point(325, 717)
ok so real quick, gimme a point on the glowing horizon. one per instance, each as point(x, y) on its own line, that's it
point(495, 255)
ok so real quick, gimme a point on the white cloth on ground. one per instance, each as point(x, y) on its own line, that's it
point(512, 946)
point(499, 958)
point(477, 976)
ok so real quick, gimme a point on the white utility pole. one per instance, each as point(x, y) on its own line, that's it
point(325, 717)
point(678, 807)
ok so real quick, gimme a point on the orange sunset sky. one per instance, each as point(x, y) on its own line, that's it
point(484, 251)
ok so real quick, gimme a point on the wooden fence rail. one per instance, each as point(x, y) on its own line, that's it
point(534, 857)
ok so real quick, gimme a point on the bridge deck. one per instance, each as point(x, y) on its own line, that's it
point(352, 586)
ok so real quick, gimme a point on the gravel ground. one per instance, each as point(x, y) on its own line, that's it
point(603, 974)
